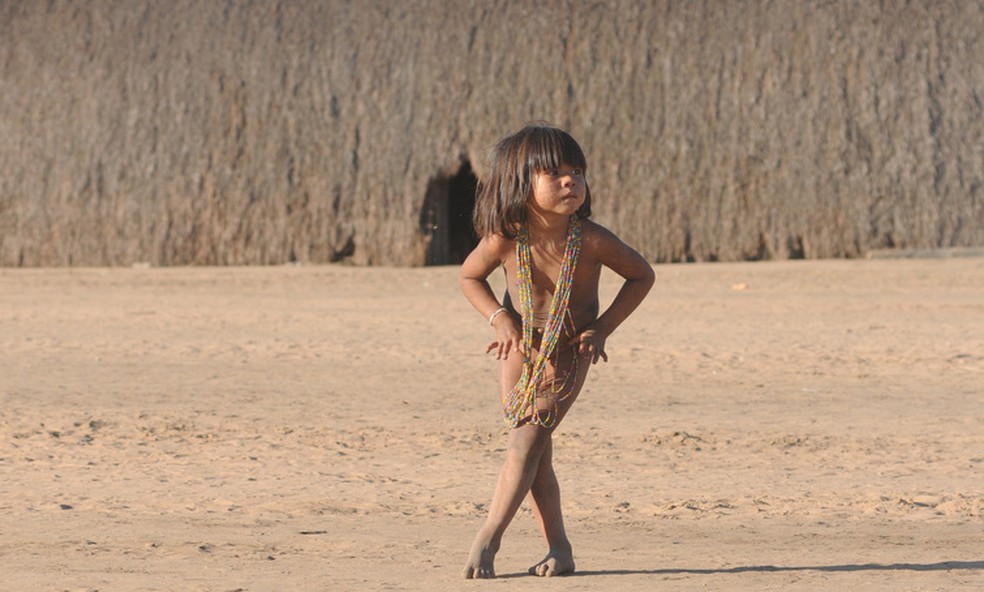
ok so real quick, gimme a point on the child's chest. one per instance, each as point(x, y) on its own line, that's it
point(545, 273)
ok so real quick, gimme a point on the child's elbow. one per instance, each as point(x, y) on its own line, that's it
point(464, 279)
point(648, 276)
point(467, 277)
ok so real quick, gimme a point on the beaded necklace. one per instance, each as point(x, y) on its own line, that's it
point(522, 399)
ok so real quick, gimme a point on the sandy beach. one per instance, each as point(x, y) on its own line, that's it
point(795, 425)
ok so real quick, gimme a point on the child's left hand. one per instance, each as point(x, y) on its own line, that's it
point(590, 344)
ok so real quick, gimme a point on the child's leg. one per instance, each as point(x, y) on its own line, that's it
point(527, 444)
point(546, 506)
point(546, 490)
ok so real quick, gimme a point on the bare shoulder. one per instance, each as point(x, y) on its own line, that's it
point(495, 247)
point(491, 252)
point(598, 238)
point(498, 244)
point(612, 252)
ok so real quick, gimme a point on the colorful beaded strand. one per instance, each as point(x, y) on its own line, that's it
point(523, 396)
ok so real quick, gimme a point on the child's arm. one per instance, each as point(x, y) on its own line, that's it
point(639, 278)
point(473, 279)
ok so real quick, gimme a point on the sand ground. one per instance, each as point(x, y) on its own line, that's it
point(761, 426)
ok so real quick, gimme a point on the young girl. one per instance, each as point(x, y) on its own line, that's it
point(532, 216)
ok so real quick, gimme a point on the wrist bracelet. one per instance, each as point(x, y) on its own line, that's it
point(496, 313)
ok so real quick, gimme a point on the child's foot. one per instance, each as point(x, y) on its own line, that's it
point(556, 563)
point(481, 561)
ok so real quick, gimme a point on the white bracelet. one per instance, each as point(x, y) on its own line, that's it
point(498, 312)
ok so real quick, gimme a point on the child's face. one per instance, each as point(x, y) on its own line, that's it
point(560, 191)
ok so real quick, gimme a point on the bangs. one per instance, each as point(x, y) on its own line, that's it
point(549, 148)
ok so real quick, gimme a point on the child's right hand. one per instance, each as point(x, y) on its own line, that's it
point(507, 338)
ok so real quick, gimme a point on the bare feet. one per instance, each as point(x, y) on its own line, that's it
point(481, 560)
point(556, 563)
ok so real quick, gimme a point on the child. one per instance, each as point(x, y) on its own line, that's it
point(532, 216)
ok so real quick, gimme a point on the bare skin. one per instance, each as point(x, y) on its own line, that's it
point(546, 507)
point(528, 467)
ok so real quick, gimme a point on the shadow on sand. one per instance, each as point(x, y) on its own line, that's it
point(941, 566)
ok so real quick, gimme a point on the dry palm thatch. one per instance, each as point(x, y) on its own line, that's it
point(233, 132)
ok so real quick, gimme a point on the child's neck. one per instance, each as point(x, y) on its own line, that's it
point(551, 228)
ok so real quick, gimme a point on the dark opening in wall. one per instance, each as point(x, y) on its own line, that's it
point(446, 218)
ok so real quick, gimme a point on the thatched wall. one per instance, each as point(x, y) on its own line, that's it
point(233, 132)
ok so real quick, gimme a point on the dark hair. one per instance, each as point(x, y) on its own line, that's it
point(501, 199)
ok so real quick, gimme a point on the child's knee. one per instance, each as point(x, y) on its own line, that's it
point(528, 442)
